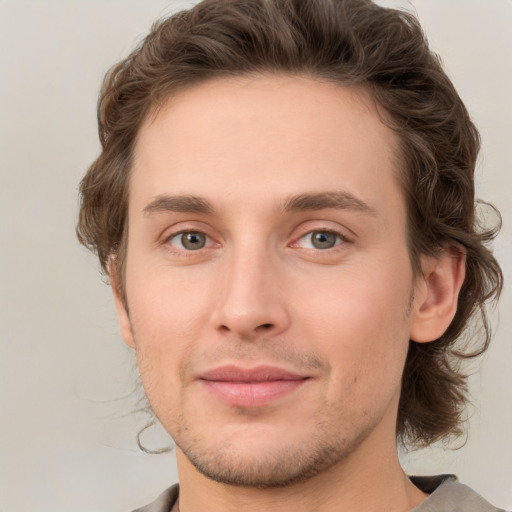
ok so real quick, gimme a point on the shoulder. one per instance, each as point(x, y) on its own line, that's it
point(446, 495)
point(449, 495)
point(163, 503)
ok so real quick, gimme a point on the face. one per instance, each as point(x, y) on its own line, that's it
point(268, 282)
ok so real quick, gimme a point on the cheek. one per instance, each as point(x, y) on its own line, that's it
point(362, 326)
point(169, 310)
point(168, 321)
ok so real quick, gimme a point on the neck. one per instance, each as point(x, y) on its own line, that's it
point(369, 480)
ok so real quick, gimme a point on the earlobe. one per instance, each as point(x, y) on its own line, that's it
point(125, 326)
point(437, 294)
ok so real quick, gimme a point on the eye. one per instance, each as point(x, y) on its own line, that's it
point(189, 240)
point(321, 240)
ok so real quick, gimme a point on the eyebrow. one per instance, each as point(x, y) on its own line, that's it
point(325, 200)
point(183, 204)
point(300, 202)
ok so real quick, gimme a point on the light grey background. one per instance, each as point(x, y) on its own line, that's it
point(67, 437)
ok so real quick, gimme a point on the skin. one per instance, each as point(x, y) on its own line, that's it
point(260, 292)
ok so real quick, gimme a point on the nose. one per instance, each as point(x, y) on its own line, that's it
point(252, 298)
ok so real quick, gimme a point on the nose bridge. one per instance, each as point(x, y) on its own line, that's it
point(251, 301)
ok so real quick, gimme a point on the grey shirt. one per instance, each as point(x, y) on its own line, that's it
point(446, 495)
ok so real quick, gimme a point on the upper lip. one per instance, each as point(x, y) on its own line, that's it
point(231, 373)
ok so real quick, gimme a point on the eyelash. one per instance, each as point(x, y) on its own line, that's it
point(340, 240)
point(209, 242)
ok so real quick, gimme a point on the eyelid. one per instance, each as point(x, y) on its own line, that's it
point(322, 225)
point(184, 227)
point(178, 234)
point(342, 239)
point(307, 229)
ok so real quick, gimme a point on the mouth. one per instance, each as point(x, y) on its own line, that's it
point(251, 387)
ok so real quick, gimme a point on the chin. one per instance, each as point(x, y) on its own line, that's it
point(259, 470)
point(259, 463)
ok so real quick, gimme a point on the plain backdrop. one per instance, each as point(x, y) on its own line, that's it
point(67, 426)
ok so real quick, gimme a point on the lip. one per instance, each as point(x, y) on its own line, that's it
point(251, 387)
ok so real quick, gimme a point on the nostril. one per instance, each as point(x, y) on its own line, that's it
point(262, 327)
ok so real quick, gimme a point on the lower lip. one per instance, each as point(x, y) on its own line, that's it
point(252, 394)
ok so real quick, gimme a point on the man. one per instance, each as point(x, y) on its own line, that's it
point(284, 205)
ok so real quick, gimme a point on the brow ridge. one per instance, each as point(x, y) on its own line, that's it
point(300, 202)
point(324, 200)
point(178, 203)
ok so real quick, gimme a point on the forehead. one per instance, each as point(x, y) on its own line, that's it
point(274, 136)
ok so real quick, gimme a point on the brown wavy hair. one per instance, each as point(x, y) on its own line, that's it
point(347, 42)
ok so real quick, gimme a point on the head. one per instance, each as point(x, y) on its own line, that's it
point(379, 62)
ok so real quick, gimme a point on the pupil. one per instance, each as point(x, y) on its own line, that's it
point(323, 240)
point(193, 241)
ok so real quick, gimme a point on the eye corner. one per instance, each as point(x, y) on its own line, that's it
point(188, 241)
point(321, 239)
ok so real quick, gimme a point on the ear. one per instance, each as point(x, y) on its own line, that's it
point(437, 293)
point(125, 326)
